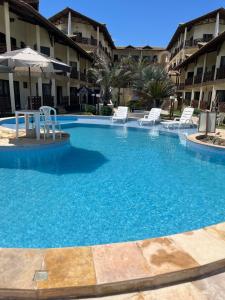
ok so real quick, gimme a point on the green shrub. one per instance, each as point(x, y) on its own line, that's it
point(135, 104)
point(90, 109)
point(197, 111)
point(106, 111)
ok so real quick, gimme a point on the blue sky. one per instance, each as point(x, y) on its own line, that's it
point(139, 22)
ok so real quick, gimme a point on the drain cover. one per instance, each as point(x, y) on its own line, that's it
point(41, 275)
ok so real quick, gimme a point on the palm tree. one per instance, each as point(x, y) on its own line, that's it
point(108, 76)
point(152, 84)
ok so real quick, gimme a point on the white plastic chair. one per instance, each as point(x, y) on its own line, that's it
point(183, 121)
point(152, 117)
point(121, 114)
point(49, 120)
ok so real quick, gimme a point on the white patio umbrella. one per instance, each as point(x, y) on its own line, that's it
point(32, 61)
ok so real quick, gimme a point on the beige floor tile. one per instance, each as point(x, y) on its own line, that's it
point(18, 266)
point(164, 256)
point(119, 262)
point(68, 267)
point(202, 246)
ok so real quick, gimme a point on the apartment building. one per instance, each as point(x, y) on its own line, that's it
point(150, 54)
point(89, 34)
point(22, 25)
point(202, 76)
point(192, 35)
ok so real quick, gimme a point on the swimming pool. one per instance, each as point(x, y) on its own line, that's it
point(111, 184)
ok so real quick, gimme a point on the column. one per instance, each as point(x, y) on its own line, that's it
point(53, 91)
point(184, 41)
point(192, 96)
point(217, 25)
point(98, 40)
point(217, 65)
point(68, 82)
point(38, 41)
point(200, 97)
point(204, 67)
point(213, 98)
point(8, 48)
point(69, 31)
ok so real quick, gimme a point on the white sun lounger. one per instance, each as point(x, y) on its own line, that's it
point(152, 117)
point(121, 114)
point(184, 121)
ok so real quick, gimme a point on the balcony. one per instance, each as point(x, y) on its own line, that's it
point(198, 78)
point(86, 41)
point(194, 43)
point(220, 73)
point(208, 76)
point(189, 81)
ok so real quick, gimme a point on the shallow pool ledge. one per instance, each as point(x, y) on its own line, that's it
point(8, 140)
point(114, 268)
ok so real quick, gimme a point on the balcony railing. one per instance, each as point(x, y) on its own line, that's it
point(220, 73)
point(208, 76)
point(198, 78)
point(86, 41)
point(194, 43)
point(189, 81)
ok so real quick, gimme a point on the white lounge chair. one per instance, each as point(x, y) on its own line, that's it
point(184, 121)
point(121, 114)
point(49, 121)
point(152, 117)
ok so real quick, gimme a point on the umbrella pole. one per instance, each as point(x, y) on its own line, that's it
point(30, 89)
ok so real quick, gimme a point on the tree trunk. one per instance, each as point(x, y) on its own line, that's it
point(118, 99)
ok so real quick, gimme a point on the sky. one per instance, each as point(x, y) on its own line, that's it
point(136, 22)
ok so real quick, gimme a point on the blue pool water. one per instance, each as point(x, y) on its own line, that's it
point(112, 184)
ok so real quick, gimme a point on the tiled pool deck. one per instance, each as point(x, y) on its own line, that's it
point(116, 268)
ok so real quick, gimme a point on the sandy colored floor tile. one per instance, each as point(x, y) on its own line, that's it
point(164, 256)
point(184, 291)
point(18, 266)
point(119, 262)
point(217, 230)
point(68, 267)
point(202, 246)
point(212, 287)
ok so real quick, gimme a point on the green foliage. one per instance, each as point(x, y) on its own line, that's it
point(135, 105)
point(90, 109)
point(108, 76)
point(106, 111)
point(197, 111)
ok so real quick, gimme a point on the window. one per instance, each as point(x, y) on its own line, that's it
point(4, 88)
point(207, 37)
point(2, 38)
point(45, 50)
point(190, 74)
point(199, 71)
point(188, 96)
point(196, 95)
point(73, 64)
point(116, 57)
point(222, 61)
point(46, 89)
point(220, 95)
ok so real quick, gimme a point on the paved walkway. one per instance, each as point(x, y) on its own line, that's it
point(210, 288)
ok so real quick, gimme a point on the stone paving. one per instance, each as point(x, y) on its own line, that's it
point(209, 288)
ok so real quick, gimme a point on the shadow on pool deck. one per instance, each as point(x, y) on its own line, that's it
point(73, 160)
